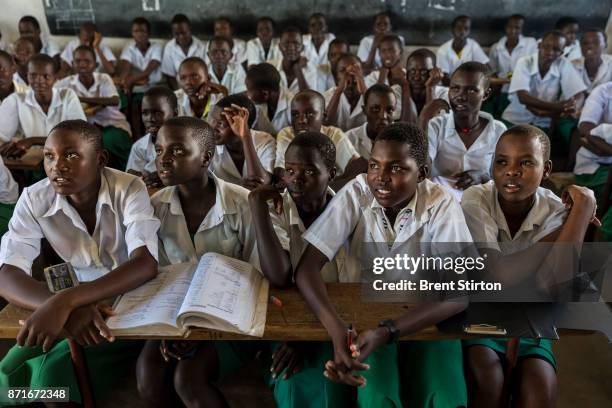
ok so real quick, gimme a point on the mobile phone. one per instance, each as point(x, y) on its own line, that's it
point(60, 277)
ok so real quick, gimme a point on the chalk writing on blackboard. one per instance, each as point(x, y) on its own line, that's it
point(70, 14)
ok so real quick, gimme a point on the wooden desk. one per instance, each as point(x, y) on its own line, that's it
point(31, 160)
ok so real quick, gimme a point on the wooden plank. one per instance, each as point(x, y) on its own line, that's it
point(31, 160)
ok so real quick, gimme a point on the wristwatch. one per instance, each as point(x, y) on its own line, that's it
point(393, 331)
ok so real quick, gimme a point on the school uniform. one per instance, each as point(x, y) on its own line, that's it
point(502, 62)
point(572, 51)
point(21, 116)
point(9, 192)
point(449, 155)
point(448, 60)
point(132, 54)
point(49, 47)
point(562, 81)
point(345, 151)
point(310, 51)
point(604, 72)
point(124, 222)
point(224, 168)
point(365, 45)
point(256, 54)
point(346, 118)
point(358, 136)
point(238, 51)
point(489, 228)
point(309, 72)
point(184, 106)
point(173, 55)
point(355, 221)
point(282, 115)
point(19, 84)
point(116, 131)
point(68, 54)
point(233, 78)
point(372, 78)
point(142, 156)
point(325, 76)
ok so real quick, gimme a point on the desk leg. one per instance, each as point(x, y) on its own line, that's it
point(512, 348)
point(80, 367)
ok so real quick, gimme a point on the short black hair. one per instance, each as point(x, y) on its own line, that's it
point(87, 48)
point(473, 67)
point(319, 142)
point(42, 59)
point(343, 56)
point(376, 88)
point(30, 20)
point(26, 39)
point(266, 18)
point(555, 33)
point(385, 13)
point(89, 26)
point(392, 37)
point(227, 40)
point(142, 21)
point(179, 19)
point(530, 131)
point(423, 53)
point(317, 15)
point(162, 92)
point(310, 94)
point(224, 18)
point(6, 56)
point(291, 30)
point(564, 21)
point(339, 41)
point(516, 17)
point(202, 132)
point(409, 134)
point(459, 18)
point(595, 30)
point(241, 100)
point(264, 76)
point(88, 131)
point(196, 60)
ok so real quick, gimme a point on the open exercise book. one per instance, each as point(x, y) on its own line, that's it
point(219, 293)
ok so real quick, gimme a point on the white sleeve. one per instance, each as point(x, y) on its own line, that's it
point(9, 118)
point(363, 50)
point(140, 223)
point(108, 54)
point(252, 53)
point(107, 87)
point(283, 139)
point(433, 132)
point(167, 65)
point(125, 54)
point(266, 152)
point(571, 81)
point(478, 54)
point(493, 59)
point(593, 107)
point(52, 48)
point(156, 53)
point(345, 151)
point(66, 55)
point(72, 106)
point(442, 60)
point(136, 160)
point(521, 78)
point(9, 190)
point(239, 80)
point(480, 222)
point(280, 228)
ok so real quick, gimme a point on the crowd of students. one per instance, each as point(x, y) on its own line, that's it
point(291, 153)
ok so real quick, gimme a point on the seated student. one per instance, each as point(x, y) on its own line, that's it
point(198, 94)
point(503, 57)
point(544, 85)
point(325, 72)
point(223, 28)
point(89, 35)
point(373, 208)
point(182, 45)
point(264, 47)
point(7, 70)
point(570, 29)
point(30, 28)
point(158, 105)
point(199, 213)
point(462, 142)
point(459, 49)
point(437, 107)
point(316, 42)
point(345, 100)
point(101, 221)
point(243, 156)
point(23, 50)
point(307, 114)
point(368, 51)
point(378, 106)
point(26, 118)
point(297, 73)
point(9, 193)
point(271, 100)
point(139, 65)
point(391, 71)
point(221, 71)
point(506, 217)
point(595, 66)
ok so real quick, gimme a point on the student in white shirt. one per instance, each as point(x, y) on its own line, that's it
point(29, 27)
point(101, 221)
point(459, 49)
point(462, 142)
point(391, 71)
point(595, 66)
point(243, 156)
point(307, 114)
point(223, 28)
point(368, 51)
point(182, 45)
point(9, 192)
point(198, 94)
point(7, 70)
point(139, 65)
point(26, 118)
point(221, 71)
point(23, 50)
point(316, 42)
point(325, 72)
point(264, 47)
point(344, 101)
point(89, 35)
point(393, 204)
point(271, 100)
point(297, 74)
point(570, 28)
point(99, 96)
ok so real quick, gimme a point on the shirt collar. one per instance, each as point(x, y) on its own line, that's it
point(31, 100)
point(292, 211)
point(535, 218)
point(552, 71)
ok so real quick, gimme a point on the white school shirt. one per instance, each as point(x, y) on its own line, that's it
point(325, 77)
point(345, 117)
point(310, 52)
point(502, 62)
point(598, 105)
point(289, 229)
point(281, 118)
point(134, 56)
point(184, 106)
point(356, 221)
point(68, 54)
point(588, 162)
point(448, 60)
point(21, 116)
point(345, 151)
point(573, 51)
point(255, 53)
point(562, 81)
point(372, 78)
point(239, 54)
point(103, 87)
point(309, 72)
point(49, 47)
point(358, 136)
point(124, 222)
point(227, 229)
point(365, 45)
point(233, 78)
point(224, 168)
point(19, 84)
point(9, 190)
point(173, 55)
point(604, 72)
point(142, 156)
point(488, 225)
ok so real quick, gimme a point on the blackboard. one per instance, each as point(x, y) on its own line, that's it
point(425, 22)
